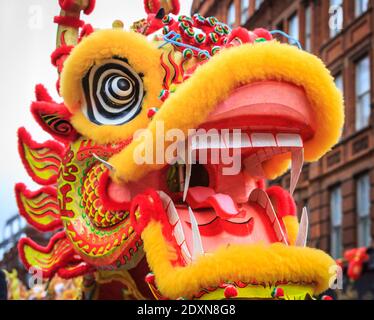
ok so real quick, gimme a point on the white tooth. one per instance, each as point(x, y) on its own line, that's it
point(280, 234)
point(261, 196)
point(169, 208)
point(105, 163)
point(270, 212)
point(254, 195)
point(185, 252)
point(178, 233)
point(262, 199)
point(263, 140)
point(172, 213)
point(215, 141)
point(206, 141)
point(187, 179)
point(236, 140)
point(197, 245)
point(289, 140)
point(302, 236)
point(297, 157)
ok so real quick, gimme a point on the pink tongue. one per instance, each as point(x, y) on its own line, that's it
point(203, 197)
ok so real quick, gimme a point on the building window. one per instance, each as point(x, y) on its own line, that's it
point(244, 11)
point(258, 4)
point(336, 17)
point(308, 28)
point(339, 82)
point(231, 15)
point(336, 213)
point(361, 6)
point(363, 94)
point(363, 210)
point(293, 27)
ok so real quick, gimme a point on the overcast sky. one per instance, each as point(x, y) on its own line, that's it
point(27, 37)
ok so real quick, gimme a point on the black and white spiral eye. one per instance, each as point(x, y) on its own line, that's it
point(113, 93)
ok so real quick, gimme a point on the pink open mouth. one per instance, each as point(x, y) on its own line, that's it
point(207, 209)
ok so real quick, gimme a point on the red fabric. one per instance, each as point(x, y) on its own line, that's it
point(68, 21)
point(284, 204)
point(59, 52)
point(20, 189)
point(25, 138)
point(90, 7)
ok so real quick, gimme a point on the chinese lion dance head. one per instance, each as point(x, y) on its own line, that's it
point(187, 230)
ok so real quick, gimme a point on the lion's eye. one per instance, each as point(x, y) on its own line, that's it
point(113, 93)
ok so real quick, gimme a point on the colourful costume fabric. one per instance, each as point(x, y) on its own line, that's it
point(155, 230)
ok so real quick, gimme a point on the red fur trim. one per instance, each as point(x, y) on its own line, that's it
point(59, 52)
point(87, 29)
point(68, 21)
point(240, 33)
point(66, 4)
point(263, 33)
point(54, 241)
point(20, 188)
point(59, 127)
point(90, 7)
point(25, 138)
point(151, 6)
point(109, 204)
point(151, 208)
point(41, 94)
point(284, 204)
point(78, 270)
